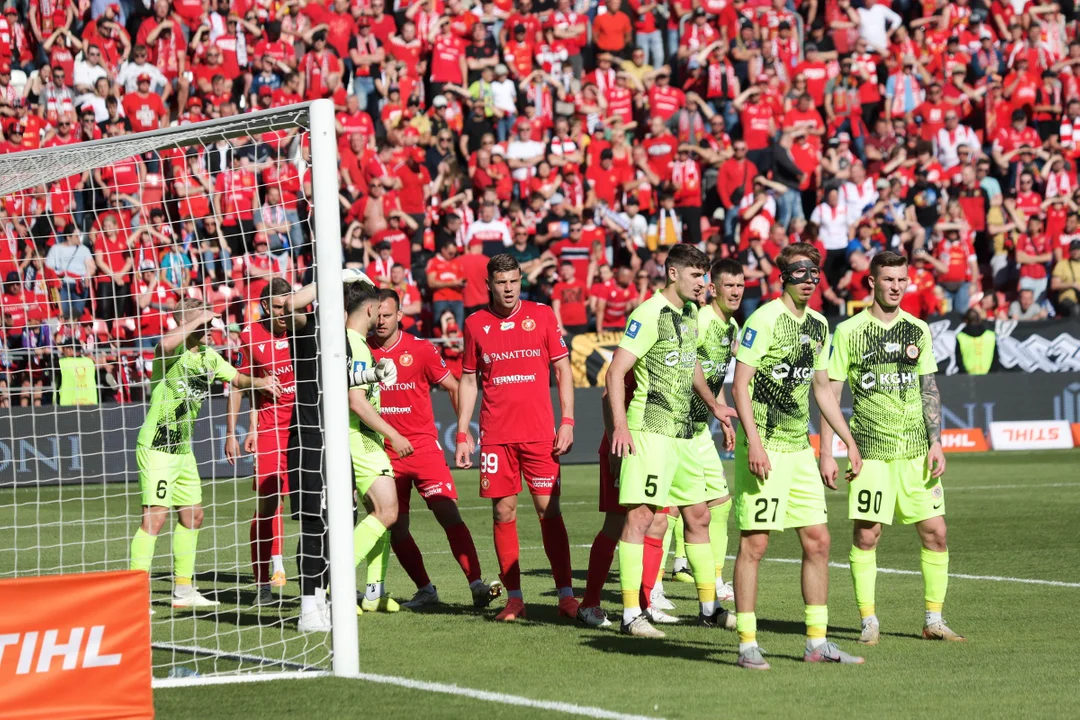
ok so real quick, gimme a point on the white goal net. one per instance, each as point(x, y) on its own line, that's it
point(104, 243)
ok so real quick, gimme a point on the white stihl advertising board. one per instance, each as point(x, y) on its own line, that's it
point(1031, 435)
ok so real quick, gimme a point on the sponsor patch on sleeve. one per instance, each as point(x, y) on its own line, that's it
point(238, 361)
point(748, 337)
point(632, 329)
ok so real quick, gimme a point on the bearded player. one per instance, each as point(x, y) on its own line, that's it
point(777, 484)
point(265, 351)
point(513, 344)
point(887, 357)
point(406, 406)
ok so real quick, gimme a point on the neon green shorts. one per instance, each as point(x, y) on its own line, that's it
point(663, 472)
point(703, 453)
point(367, 464)
point(902, 486)
point(168, 480)
point(792, 497)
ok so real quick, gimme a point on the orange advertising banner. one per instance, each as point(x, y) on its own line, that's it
point(76, 647)
point(957, 440)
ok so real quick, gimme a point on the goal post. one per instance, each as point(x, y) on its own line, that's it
point(211, 210)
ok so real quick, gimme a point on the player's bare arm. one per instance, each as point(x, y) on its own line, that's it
point(564, 438)
point(368, 415)
point(829, 405)
point(828, 467)
point(232, 412)
point(757, 458)
point(717, 406)
point(621, 442)
point(179, 334)
point(931, 403)
point(466, 402)
point(450, 385)
point(267, 385)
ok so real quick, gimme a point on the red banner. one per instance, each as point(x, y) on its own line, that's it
point(76, 647)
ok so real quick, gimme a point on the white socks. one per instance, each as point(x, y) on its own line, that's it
point(814, 643)
point(628, 615)
point(278, 563)
point(308, 604)
point(932, 617)
point(374, 591)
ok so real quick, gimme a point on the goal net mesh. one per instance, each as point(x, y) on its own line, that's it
point(100, 242)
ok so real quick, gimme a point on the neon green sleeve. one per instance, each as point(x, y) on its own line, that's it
point(641, 330)
point(222, 370)
point(839, 356)
point(756, 338)
point(927, 362)
point(821, 362)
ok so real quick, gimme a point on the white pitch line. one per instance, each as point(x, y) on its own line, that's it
point(181, 682)
point(501, 698)
point(561, 504)
point(1010, 487)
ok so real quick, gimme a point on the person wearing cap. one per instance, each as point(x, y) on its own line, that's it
point(612, 31)
point(1065, 281)
point(144, 109)
point(758, 123)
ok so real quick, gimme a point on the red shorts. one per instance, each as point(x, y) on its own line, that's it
point(426, 470)
point(271, 463)
point(501, 468)
point(609, 483)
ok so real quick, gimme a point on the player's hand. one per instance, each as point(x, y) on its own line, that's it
point(463, 453)
point(232, 449)
point(855, 461)
point(758, 460)
point(251, 442)
point(386, 371)
point(829, 471)
point(622, 445)
point(401, 445)
point(269, 385)
point(615, 465)
point(564, 439)
point(936, 458)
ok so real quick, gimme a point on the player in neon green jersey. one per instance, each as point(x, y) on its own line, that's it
point(371, 467)
point(777, 484)
point(183, 369)
point(717, 340)
point(887, 358)
point(654, 436)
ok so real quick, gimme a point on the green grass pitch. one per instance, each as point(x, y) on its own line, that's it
point(1012, 516)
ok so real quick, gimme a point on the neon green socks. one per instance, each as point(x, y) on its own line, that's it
point(864, 577)
point(817, 625)
point(718, 536)
point(184, 542)
point(142, 550)
point(746, 626)
point(703, 568)
point(631, 558)
point(935, 572)
point(365, 536)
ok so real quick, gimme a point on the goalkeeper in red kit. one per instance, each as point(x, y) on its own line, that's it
point(512, 344)
point(266, 352)
point(406, 406)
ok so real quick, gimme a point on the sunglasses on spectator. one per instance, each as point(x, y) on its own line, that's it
point(576, 229)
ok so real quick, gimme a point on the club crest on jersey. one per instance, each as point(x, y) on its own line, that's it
point(405, 360)
point(528, 324)
point(935, 492)
point(912, 351)
point(804, 339)
point(725, 341)
point(507, 325)
point(487, 359)
point(632, 329)
point(485, 483)
point(748, 337)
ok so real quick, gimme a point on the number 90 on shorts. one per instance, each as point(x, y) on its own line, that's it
point(662, 472)
point(902, 488)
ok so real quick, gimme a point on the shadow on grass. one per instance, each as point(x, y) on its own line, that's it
point(697, 651)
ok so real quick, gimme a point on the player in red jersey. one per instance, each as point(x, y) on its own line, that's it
point(513, 344)
point(406, 406)
point(265, 351)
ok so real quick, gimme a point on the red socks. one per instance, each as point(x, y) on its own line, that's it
point(279, 532)
point(507, 551)
point(557, 547)
point(600, 558)
point(464, 550)
point(408, 554)
point(262, 539)
point(651, 559)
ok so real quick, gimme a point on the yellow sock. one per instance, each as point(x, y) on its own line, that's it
point(817, 622)
point(746, 625)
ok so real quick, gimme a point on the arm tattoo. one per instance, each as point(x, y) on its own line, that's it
point(931, 404)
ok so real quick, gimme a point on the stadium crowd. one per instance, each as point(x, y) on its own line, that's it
point(584, 138)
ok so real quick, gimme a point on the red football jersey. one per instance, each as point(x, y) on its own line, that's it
point(513, 356)
point(406, 405)
point(263, 354)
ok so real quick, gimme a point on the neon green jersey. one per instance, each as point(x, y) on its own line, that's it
point(786, 351)
point(358, 355)
point(664, 340)
point(716, 347)
point(882, 364)
point(179, 382)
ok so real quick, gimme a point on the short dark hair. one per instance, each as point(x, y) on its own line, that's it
point(884, 259)
point(788, 255)
point(503, 262)
point(724, 266)
point(389, 294)
point(359, 294)
point(686, 256)
point(277, 287)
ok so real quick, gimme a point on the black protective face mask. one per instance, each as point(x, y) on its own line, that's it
point(801, 272)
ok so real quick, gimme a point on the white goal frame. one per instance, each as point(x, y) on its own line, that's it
point(23, 170)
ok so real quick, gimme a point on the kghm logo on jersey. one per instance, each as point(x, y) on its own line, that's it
point(405, 360)
point(528, 324)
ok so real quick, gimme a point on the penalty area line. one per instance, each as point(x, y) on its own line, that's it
point(501, 698)
point(952, 576)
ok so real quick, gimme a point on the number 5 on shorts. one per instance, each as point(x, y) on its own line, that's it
point(650, 486)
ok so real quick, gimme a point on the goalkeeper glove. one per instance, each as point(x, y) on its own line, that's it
point(351, 275)
point(384, 371)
